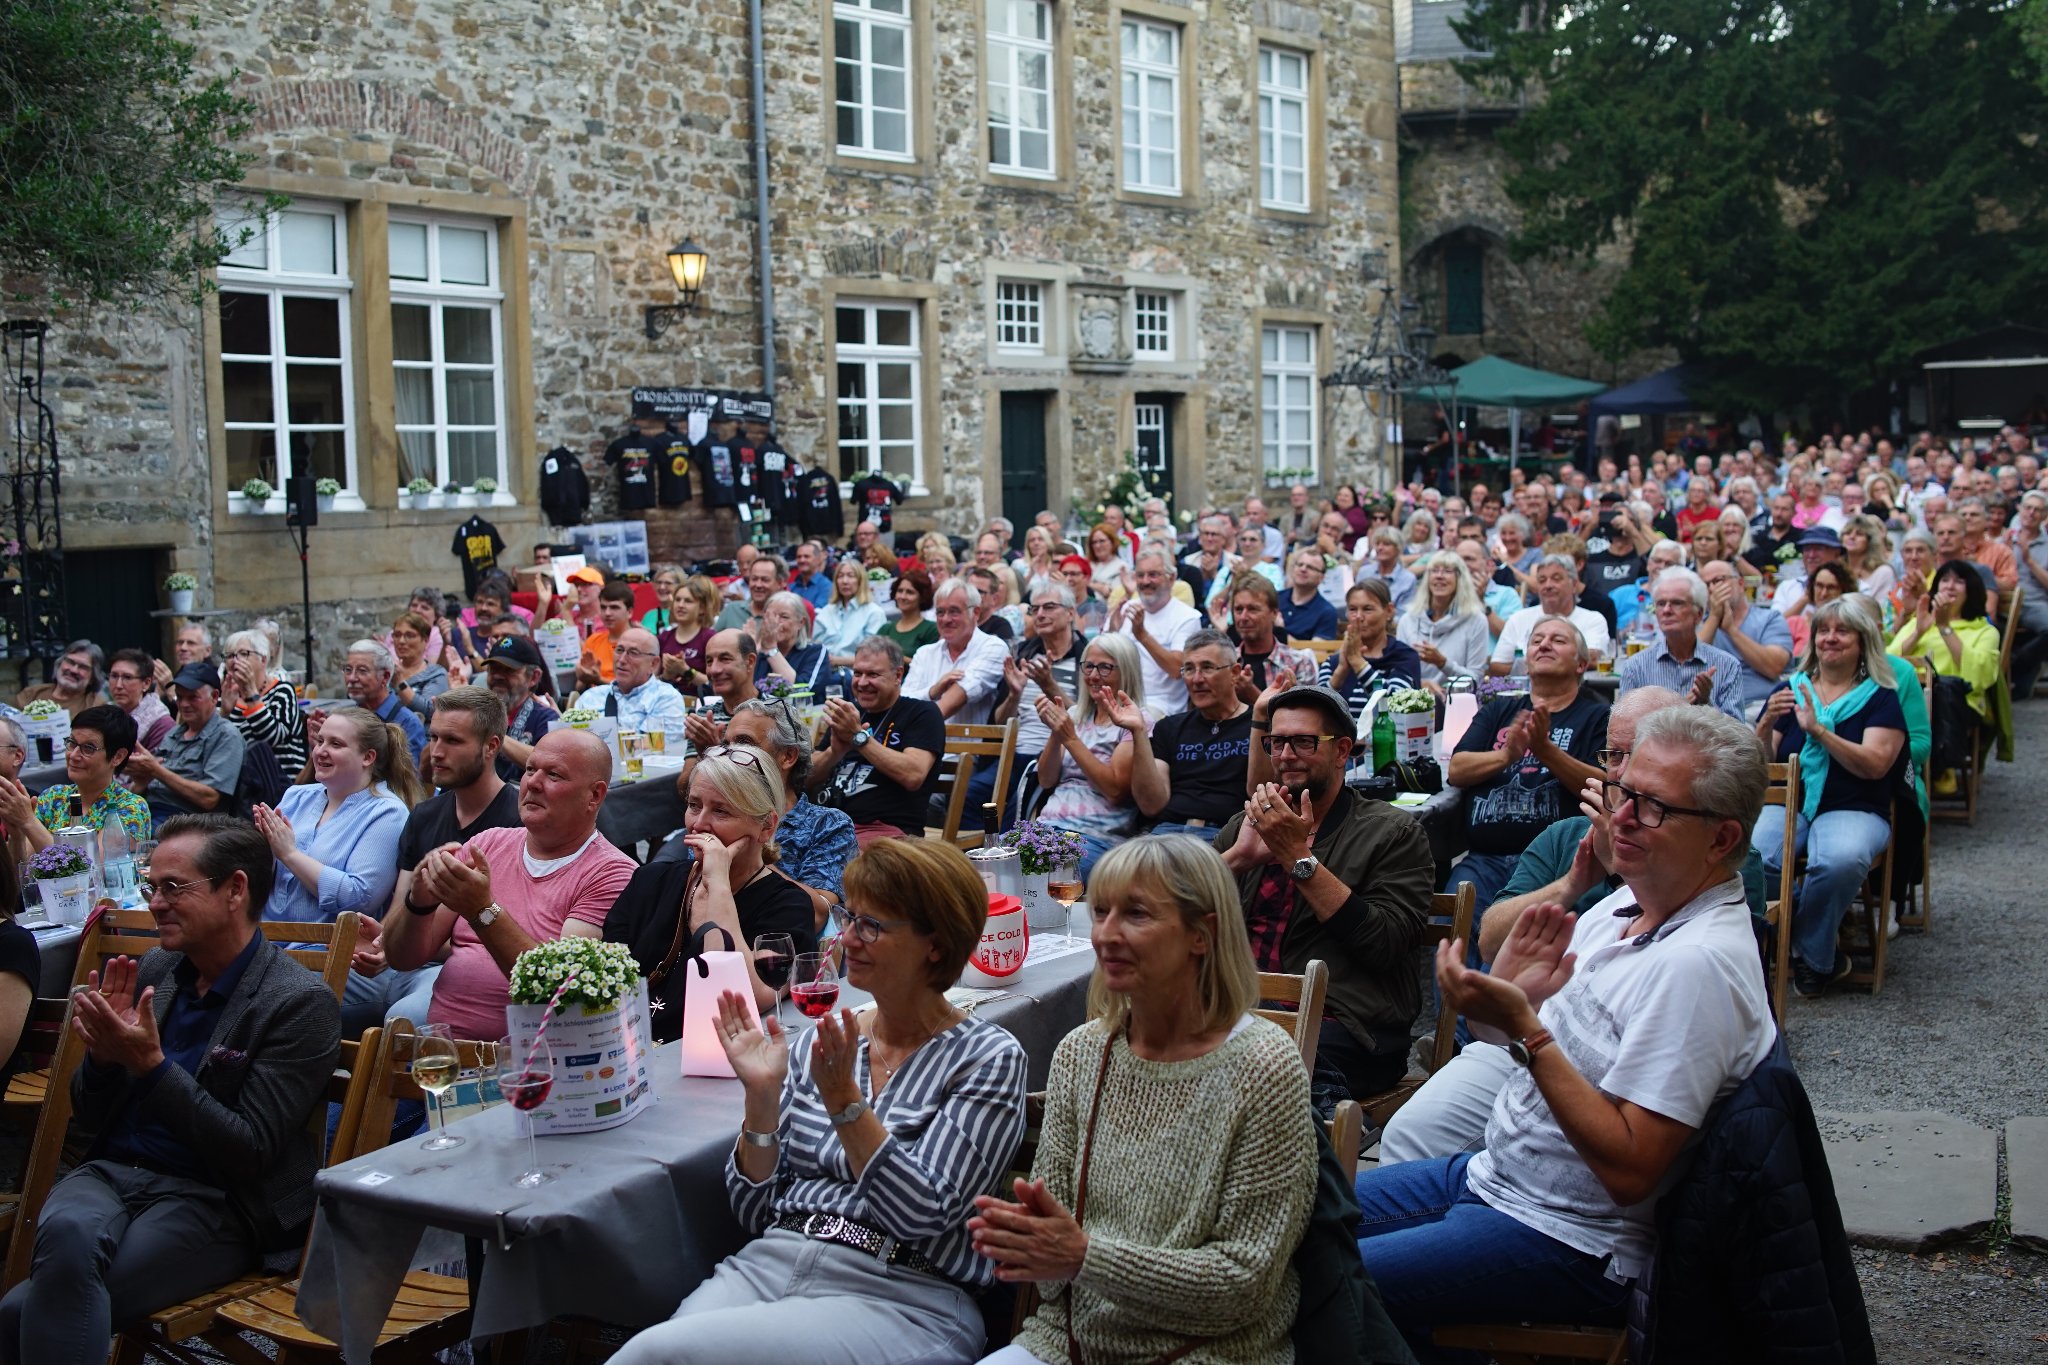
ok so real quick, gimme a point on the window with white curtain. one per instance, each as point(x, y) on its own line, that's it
point(1151, 106)
point(879, 360)
point(1287, 396)
point(447, 350)
point(871, 77)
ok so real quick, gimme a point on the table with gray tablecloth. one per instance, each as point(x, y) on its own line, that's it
point(635, 1218)
point(40, 777)
point(646, 810)
point(58, 945)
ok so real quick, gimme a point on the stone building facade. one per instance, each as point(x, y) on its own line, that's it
point(1009, 242)
point(1457, 221)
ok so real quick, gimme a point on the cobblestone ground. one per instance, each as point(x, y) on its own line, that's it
point(1962, 1027)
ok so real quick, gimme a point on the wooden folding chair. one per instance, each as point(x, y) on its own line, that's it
point(1529, 1344)
point(1783, 791)
point(1347, 1136)
point(1455, 909)
point(1322, 649)
point(46, 1149)
point(1977, 752)
point(431, 1312)
point(965, 746)
point(1303, 997)
point(1866, 918)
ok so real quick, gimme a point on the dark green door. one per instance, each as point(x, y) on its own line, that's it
point(1464, 288)
point(1023, 436)
point(108, 595)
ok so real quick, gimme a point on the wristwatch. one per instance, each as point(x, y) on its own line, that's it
point(1304, 868)
point(488, 916)
point(1523, 1050)
point(850, 1114)
point(862, 736)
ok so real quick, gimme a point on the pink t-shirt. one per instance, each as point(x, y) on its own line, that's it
point(471, 993)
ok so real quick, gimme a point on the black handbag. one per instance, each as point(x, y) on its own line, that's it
point(1952, 722)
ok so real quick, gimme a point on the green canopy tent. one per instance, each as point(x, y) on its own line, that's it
point(1490, 382)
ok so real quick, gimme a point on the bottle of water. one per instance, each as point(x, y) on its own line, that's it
point(117, 864)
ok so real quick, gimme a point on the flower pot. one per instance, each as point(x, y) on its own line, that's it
point(66, 900)
point(466, 500)
point(324, 501)
point(1044, 914)
point(181, 601)
point(601, 1074)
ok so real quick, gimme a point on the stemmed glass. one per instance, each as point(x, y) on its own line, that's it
point(814, 985)
point(774, 955)
point(435, 1064)
point(1063, 884)
point(526, 1085)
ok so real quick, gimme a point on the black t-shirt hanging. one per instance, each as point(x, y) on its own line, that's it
point(564, 487)
point(635, 454)
point(672, 463)
point(774, 491)
point(874, 499)
point(819, 511)
point(477, 544)
point(720, 472)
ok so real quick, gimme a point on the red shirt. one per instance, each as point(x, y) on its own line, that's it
point(1688, 518)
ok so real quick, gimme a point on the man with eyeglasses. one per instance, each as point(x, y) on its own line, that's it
point(1625, 1026)
point(199, 764)
point(204, 1063)
point(960, 671)
point(1523, 757)
point(1044, 664)
point(76, 685)
point(635, 697)
point(878, 754)
point(1325, 874)
point(128, 687)
point(1188, 775)
point(1678, 661)
point(366, 672)
point(1569, 864)
point(1753, 633)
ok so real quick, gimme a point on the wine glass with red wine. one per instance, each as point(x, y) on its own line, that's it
point(813, 985)
point(525, 1076)
point(1063, 884)
point(774, 955)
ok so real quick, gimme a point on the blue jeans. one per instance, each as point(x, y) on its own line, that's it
point(1441, 1256)
point(1206, 833)
point(1840, 848)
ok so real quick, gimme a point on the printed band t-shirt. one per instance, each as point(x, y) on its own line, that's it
point(867, 796)
point(472, 991)
point(672, 467)
point(634, 455)
point(1205, 765)
point(875, 499)
point(477, 544)
point(1506, 813)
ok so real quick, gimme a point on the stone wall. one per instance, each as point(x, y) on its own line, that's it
point(593, 135)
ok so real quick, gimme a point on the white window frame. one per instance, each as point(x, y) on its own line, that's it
point(1152, 324)
point(871, 355)
point(1139, 80)
point(867, 18)
point(437, 295)
point(1283, 154)
point(1277, 449)
point(277, 284)
point(1007, 49)
point(1020, 317)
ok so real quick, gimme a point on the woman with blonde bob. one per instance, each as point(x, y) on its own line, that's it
point(1446, 622)
point(1177, 1161)
point(730, 817)
point(863, 1145)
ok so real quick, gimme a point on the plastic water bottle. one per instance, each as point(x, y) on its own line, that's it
point(117, 865)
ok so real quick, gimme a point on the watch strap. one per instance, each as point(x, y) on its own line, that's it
point(850, 1114)
point(489, 915)
point(1525, 1048)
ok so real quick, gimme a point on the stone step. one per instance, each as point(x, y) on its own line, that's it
point(2026, 1176)
point(1910, 1180)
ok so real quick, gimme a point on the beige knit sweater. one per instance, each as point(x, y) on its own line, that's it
point(1202, 1179)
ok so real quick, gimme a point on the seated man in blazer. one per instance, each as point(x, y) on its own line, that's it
point(204, 1063)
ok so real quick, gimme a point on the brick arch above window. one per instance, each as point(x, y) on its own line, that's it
point(284, 108)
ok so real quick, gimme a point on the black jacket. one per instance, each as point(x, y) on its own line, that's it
point(564, 487)
point(1753, 1263)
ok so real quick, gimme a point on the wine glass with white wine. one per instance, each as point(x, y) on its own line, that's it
point(435, 1067)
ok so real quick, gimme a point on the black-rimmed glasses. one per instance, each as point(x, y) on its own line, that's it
point(746, 758)
point(1301, 744)
point(1650, 812)
point(868, 928)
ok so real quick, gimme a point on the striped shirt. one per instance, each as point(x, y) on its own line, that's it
point(955, 1114)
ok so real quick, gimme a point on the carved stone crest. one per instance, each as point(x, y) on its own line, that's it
point(1101, 340)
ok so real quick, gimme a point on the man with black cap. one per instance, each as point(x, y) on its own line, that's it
point(1301, 845)
point(200, 760)
point(513, 669)
point(1818, 545)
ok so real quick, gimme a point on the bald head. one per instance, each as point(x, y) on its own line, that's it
point(1630, 709)
point(565, 782)
point(634, 658)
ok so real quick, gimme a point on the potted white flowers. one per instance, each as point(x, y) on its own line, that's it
point(587, 1000)
point(417, 493)
point(325, 491)
point(179, 587)
point(487, 488)
point(252, 496)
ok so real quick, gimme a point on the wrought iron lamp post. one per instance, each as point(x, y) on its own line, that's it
point(1394, 362)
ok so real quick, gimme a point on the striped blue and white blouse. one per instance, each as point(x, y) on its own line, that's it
point(955, 1114)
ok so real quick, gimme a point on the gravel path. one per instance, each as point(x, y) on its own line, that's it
point(1962, 1027)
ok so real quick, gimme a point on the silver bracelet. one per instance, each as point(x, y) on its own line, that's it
point(754, 1139)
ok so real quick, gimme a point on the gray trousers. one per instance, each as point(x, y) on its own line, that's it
point(1448, 1115)
point(784, 1299)
point(116, 1243)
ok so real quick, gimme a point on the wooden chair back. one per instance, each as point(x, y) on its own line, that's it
point(1303, 998)
point(1450, 918)
point(323, 949)
point(1347, 1136)
point(966, 746)
point(46, 1147)
point(390, 1080)
point(1322, 649)
point(1782, 791)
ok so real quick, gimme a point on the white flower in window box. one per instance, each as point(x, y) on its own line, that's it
point(325, 491)
point(251, 497)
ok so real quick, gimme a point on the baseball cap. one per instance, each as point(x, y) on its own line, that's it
point(1319, 697)
point(1820, 535)
point(198, 673)
point(516, 651)
point(586, 574)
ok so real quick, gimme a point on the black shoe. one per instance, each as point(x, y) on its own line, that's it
point(1809, 984)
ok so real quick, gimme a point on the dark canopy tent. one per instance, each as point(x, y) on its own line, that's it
point(1490, 382)
point(1665, 391)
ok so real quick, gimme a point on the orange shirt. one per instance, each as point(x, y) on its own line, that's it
point(600, 644)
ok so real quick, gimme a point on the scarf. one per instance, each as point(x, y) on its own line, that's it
point(1813, 755)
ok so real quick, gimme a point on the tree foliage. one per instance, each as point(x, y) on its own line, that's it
point(1811, 191)
point(112, 151)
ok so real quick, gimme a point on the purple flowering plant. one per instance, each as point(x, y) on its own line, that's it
point(779, 688)
point(1042, 847)
point(58, 860)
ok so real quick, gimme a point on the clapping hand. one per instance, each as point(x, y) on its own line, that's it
point(1031, 1239)
point(1289, 832)
point(842, 718)
point(1535, 957)
point(117, 1026)
point(759, 1052)
point(1056, 718)
point(277, 830)
point(17, 807)
point(368, 959)
point(1123, 713)
point(1702, 688)
point(701, 731)
point(835, 1043)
